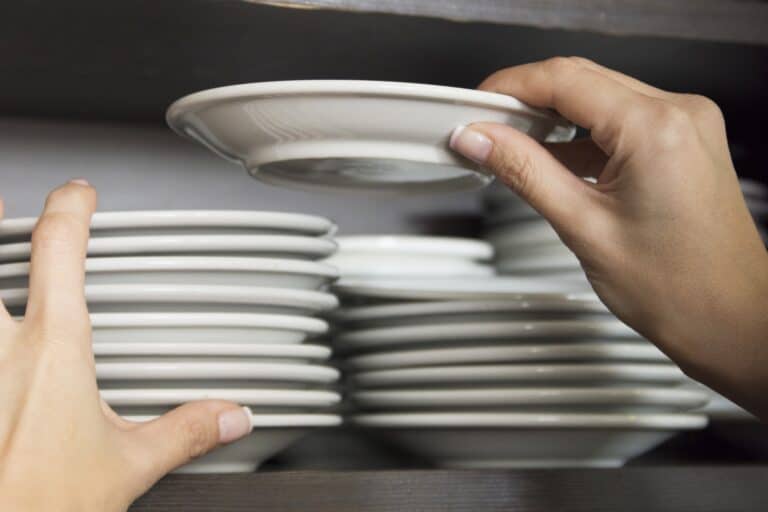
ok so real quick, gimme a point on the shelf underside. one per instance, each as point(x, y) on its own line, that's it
point(629, 489)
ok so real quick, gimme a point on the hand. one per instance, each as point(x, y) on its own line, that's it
point(62, 447)
point(664, 236)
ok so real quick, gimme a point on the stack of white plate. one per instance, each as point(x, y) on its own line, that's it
point(505, 372)
point(409, 256)
point(189, 305)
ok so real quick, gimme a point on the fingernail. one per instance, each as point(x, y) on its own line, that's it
point(471, 143)
point(80, 181)
point(234, 424)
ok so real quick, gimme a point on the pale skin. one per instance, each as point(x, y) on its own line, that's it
point(61, 447)
point(664, 237)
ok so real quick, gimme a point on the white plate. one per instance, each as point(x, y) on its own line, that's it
point(414, 245)
point(351, 133)
point(610, 350)
point(523, 234)
point(205, 328)
point(180, 298)
point(542, 263)
point(499, 288)
point(283, 246)
point(525, 440)
point(639, 399)
point(581, 374)
point(199, 222)
point(262, 351)
point(263, 272)
point(511, 331)
point(458, 311)
point(272, 434)
point(359, 265)
point(171, 397)
point(165, 369)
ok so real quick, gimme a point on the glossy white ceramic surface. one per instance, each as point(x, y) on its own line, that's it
point(204, 270)
point(575, 374)
point(179, 298)
point(200, 222)
point(273, 246)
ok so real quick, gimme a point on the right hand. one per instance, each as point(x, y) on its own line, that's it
point(664, 236)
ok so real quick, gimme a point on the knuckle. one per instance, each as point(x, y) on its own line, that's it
point(198, 437)
point(673, 126)
point(562, 65)
point(58, 230)
point(582, 61)
point(703, 106)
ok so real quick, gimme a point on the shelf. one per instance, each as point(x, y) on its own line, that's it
point(712, 20)
point(628, 489)
point(127, 61)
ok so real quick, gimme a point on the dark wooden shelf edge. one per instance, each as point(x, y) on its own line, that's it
point(660, 488)
point(712, 20)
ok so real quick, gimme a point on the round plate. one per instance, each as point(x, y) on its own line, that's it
point(206, 328)
point(260, 272)
point(125, 298)
point(609, 350)
point(521, 399)
point(530, 374)
point(533, 232)
point(170, 397)
point(199, 222)
point(283, 246)
point(458, 311)
point(359, 265)
point(262, 351)
point(405, 245)
point(542, 263)
point(510, 331)
point(509, 420)
point(492, 288)
point(320, 134)
point(163, 369)
point(272, 433)
point(528, 440)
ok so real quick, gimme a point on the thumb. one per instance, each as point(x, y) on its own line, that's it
point(187, 432)
point(528, 169)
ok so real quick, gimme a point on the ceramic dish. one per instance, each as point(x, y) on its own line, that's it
point(149, 298)
point(458, 311)
point(256, 397)
point(205, 328)
point(534, 232)
point(320, 134)
point(198, 222)
point(166, 369)
point(579, 374)
point(359, 265)
point(527, 440)
point(261, 272)
point(414, 335)
point(609, 350)
point(540, 264)
point(283, 246)
point(261, 351)
point(641, 399)
point(272, 433)
point(412, 245)
point(492, 288)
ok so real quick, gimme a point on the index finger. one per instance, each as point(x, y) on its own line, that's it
point(59, 247)
point(586, 97)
